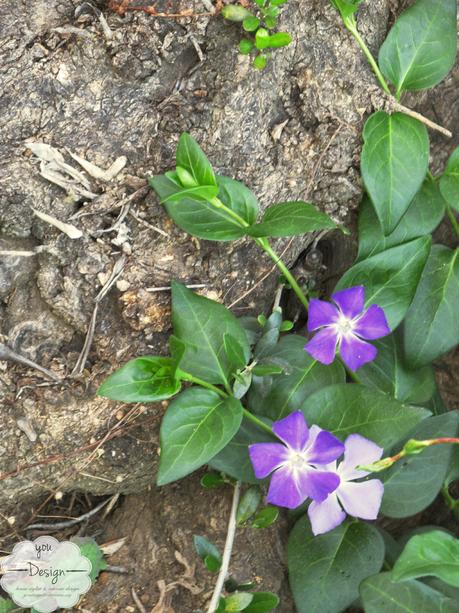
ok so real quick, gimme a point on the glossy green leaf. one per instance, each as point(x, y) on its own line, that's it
point(380, 594)
point(190, 156)
point(145, 379)
point(237, 601)
point(260, 62)
point(212, 481)
point(282, 394)
point(347, 408)
point(389, 373)
point(346, 7)
point(265, 517)
point(172, 192)
point(197, 425)
point(413, 483)
point(212, 564)
point(449, 182)
point(325, 571)
point(246, 46)
point(250, 24)
point(91, 550)
point(425, 212)
point(234, 458)
point(202, 324)
point(262, 602)
point(432, 323)
point(291, 218)
point(420, 49)
point(394, 163)
point(434, 553)
point(235, 12)
point(236, 354)
point(248, 505)
point(205, 548)
point(390, 278)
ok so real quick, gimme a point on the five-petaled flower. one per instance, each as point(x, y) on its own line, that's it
point(361, 499)
point(344, 326)
point(294, 463)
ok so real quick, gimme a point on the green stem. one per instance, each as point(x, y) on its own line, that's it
point(351, 25)
point(264, 244)
point(452, 219)
point(218, 204)
point(353, 375)
point(261, 424)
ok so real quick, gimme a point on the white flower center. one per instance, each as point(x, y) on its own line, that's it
point(344, 326)
point(297, 461)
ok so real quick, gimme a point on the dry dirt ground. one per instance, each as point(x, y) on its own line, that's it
point(119, 90)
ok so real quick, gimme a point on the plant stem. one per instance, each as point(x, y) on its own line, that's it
point(353, 375)
point(217, 203)
point(227, 550)
point(351, 25)
point(187, 377)
point(261, 424)
point(264, 244)
point(452, 219)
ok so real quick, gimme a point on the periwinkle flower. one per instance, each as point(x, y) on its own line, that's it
point(294, 463)
point(345, 325)
point(362, 499)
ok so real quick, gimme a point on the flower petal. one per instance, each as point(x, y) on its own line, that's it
point(325, 449)
point(358, 450)
point(322, 346)
point(284, 489)
point(292, 430)
point(373, 324)
point(317, 484)
point(266, 457)
point(326, 515)
point(321, 313)
point(351, 301)
point(361, 500)
point(356, 353)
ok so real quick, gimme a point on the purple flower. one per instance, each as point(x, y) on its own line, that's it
point(293, 464)
point(344, 326)
point(361, 499)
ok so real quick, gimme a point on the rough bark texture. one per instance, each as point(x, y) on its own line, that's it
point(292, 131)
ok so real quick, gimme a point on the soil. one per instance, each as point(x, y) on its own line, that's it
point(89, 82)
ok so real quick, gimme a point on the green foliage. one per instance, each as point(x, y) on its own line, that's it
point(238, 601)
point(325, 571)
point(7, 605)
point(208, 553)
point(380, 593)
point(391, 277)
point(434, 553)
point(422, 217)
point(390, 373)
point(145, 379)
point(290, 219)
point(394, 163)
point(248, 505)
point(265, 517)
point(262, 602)
point(347, 408)
point(197, 425)
point(91, 550)
point(410, 486)
point(347, 8)
point(420, 49)
point(449, 182)
point(432, 323)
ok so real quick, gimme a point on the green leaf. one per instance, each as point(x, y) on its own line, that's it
point(420, 49)
point(291, 218)
point(202, 324)
point(449, 182)
point(432, 323)
point(325, 571)
point(91, 550)
point(279, 39)
point(238, 197)
point(265, 518)
point(347, 408)
point(7, 605)
point(346, 7)
point(234, 458)
point(205, 548)
point(145, 379)
point(453, 468)
point(234, 12)
point(190, 156)
point(434, 553)
point(196, 426)
point(412, 484)
point(212, 564)
point(235, 353)
point(246, 46)
point(380, 594)
point(422, 217)
point(389, 373)
point(250, 24)
point(390, 278)
point(262, 602)
point(281, 395)
point(237, 601)
point(248, 505)
point(172, 192)
point(260, 62)
point(394, 163)
point(212, 481)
